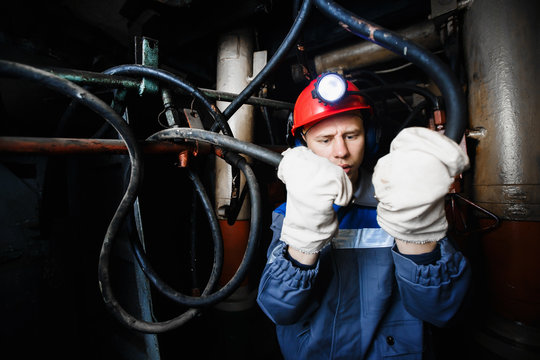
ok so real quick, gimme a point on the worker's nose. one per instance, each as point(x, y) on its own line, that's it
point(340, 148)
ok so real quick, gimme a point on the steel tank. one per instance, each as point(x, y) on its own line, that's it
point(501, 44)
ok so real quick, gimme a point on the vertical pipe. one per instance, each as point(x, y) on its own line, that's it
point(502, 54)
point(234, 68)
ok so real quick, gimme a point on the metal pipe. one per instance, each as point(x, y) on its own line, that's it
point(367, 53)
point(267, 156)
point(83, 77)
point(502, 52)
point(228, 96)
point(234, 67)
point(62, 146)
point(116, 81)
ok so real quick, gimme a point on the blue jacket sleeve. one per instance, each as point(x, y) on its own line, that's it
point(433, 292)
point(284, 288)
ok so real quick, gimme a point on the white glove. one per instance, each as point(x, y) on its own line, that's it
point(412, 181)
point(313, 184)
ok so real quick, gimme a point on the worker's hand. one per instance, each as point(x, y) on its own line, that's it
point(411, 182)
point(313, 184)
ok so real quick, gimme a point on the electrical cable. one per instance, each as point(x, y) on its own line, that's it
point(425, 60)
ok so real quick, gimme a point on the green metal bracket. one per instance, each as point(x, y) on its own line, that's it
point(149, 57)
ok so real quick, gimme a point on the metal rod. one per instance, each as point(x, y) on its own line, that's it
point(59, 146)
point(117, 81)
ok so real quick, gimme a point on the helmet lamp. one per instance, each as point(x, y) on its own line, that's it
point(330, 87)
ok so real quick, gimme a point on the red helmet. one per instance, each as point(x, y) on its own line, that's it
point(309, 110)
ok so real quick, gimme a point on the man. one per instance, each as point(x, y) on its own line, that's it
point(354, 268)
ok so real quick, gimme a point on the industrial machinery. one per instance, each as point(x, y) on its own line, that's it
point(139, 141)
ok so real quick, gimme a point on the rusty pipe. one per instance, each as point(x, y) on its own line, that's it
point(367, 53)
point(62, 146)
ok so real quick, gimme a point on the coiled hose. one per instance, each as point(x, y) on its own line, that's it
point(154, 278)
point(84, 97)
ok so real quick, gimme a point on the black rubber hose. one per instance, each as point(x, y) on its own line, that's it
point(82, 96)
point(165, 289)
point(255, 151)
point(424, 59)
point(86, 98)
point(97, 105)
point(173, 81)
point(278, 56)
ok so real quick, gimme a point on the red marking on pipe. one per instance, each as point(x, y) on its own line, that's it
point(235, 240)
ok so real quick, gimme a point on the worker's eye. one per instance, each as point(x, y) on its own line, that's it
point(353, 136)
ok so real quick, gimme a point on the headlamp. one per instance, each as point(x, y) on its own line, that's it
point(330, 88)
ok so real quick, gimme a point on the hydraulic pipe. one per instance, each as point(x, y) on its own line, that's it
point(433, 66)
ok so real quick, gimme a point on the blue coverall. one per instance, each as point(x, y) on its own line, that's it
point(362, 299)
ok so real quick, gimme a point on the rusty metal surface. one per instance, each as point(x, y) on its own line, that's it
point(367, 53)
point(511, 270)
point(502, 52)
point(33, 145)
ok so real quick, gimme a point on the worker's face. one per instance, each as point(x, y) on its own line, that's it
point(340, 139)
